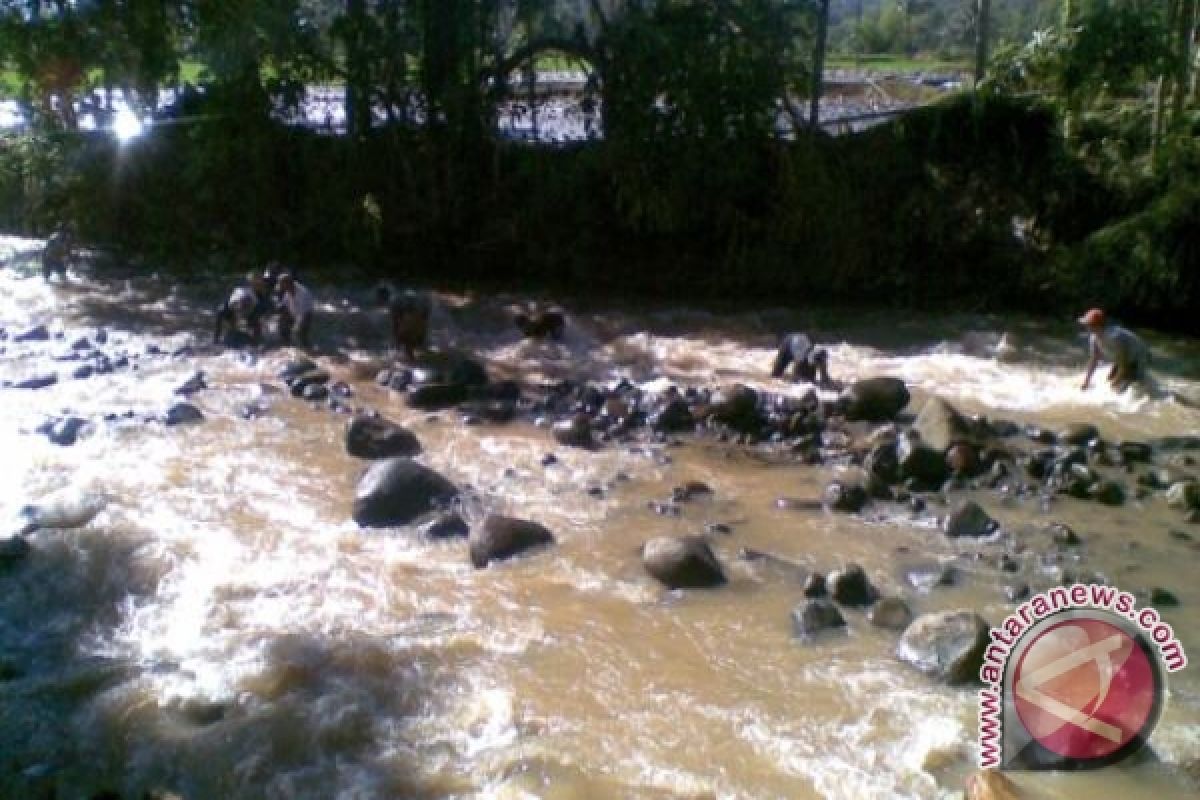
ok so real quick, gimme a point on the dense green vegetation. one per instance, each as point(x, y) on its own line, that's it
point(1071, 176)
point(944, 29)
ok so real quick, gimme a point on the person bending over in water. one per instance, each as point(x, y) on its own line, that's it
point(541, 324)
point(245, 309)
point(57, 254)
point(809, 363)
point(296, 310)
point(409, 315)
point(1122, 347)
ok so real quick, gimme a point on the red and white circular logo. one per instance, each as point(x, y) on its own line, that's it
point(1088, 688)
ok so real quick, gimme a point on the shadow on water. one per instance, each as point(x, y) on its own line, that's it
point(77, 721)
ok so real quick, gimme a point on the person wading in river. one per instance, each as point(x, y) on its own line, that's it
point(1122, 347)
point(809, 363)
point(56, 255)
point(243, 313)
point(296, 310)
point(408, 313)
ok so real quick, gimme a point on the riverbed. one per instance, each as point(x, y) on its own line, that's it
point(223, 629)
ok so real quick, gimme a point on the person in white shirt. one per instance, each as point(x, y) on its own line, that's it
point(1122, 347)
point(295, 318)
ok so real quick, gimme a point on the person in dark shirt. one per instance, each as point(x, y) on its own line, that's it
point(56, 255)
point(809, 363)
point(409, 316)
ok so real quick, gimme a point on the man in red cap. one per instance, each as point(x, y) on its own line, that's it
point(1122, 347)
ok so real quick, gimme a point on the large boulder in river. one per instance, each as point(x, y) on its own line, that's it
point(941, 426)
point(682, 562)
point(947, 645)
point(396, 491)
point(737, 407)
point(500, 537)
point(875, 399)
point(369, 436)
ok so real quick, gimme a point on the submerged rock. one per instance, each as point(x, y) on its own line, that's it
point(682, 562)
point(890, 613)
point(374, 437)
point(947, 645)
point(814, 616)
point(396, 491)
point(501, 537)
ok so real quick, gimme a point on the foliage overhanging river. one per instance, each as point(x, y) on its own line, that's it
point(223, 629)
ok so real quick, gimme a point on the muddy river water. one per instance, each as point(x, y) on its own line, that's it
point(223, 629)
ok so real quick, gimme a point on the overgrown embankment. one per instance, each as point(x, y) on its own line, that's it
point(974, 202)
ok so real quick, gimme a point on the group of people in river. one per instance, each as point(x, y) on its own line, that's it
point(275, 294)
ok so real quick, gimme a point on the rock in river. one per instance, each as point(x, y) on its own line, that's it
point(396, 491)
point(500, 537)
point(849, 586)
point(947, 645)
point(682, 562)
point(183, 413)
point(875, 399)
point(969, 519)
point(575, 432)
point(941, 425)
point(814, 616)
point(373, 436)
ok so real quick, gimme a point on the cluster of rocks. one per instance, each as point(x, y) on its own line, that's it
point(90, 358)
